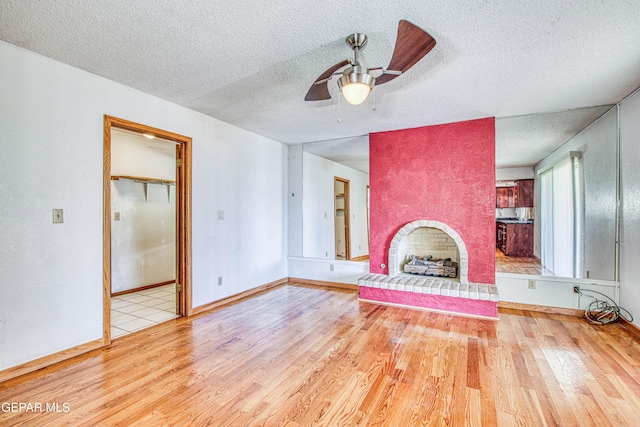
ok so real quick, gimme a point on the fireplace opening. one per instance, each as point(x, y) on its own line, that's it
point(429, 248)
point(429, 251)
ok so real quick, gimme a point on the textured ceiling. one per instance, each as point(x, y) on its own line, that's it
point(250, 63)
point(524, 138)
point(520, 140)
point(352, 152)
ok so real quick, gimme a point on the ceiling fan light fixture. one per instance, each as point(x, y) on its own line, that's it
point(356, 85)
point(356, 93)
point(412, 44)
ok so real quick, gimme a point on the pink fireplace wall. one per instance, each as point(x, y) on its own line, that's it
point(444, 173)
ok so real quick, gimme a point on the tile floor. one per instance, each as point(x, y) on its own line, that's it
point(139, 310)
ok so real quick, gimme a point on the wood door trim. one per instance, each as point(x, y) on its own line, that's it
point(183, 214)
point(183, 228)
point(368, 202)
point(106, 232)
point(347, 214)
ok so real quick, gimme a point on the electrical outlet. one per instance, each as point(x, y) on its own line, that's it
point(330, 267)
point(220, 215)
point(532, 284)
point(576, 289)
point(219, 280)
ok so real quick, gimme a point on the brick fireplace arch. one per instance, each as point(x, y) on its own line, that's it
point(394, 262)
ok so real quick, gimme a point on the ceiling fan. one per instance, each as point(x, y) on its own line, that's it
point(356, 81)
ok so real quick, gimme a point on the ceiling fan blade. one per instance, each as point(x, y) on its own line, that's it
point(320, 91)
point(412, 44)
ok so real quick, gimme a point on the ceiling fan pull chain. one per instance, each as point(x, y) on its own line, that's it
point(339, 107)
point(374, 101)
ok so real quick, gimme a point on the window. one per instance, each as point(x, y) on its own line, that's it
point(561, 217)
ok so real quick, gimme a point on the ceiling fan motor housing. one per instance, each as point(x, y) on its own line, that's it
point(356, 74)
point(357, 40)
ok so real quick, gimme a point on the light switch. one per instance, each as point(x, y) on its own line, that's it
point(58, 217)
point(116, 216)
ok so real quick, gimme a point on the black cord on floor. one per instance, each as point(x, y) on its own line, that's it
point(602, 312)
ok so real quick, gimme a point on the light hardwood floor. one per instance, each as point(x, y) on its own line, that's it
point(520, 265)
point(313, 356)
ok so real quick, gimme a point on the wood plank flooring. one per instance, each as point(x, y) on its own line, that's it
point(520, 265)
point(313, 356)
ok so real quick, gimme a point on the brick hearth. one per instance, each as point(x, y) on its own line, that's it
point(437, 293)
point(433, 293)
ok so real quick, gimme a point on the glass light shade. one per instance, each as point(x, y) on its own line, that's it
point(356, 93)
point(355, 86)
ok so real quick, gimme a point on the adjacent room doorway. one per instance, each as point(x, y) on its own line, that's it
point(341, 218)
point(181, 188)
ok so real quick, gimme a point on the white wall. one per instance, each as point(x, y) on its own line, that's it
point(559, 292)
point(318, 205)
point(630, 204)
point(597, 143)
point(51, 116)
point(294, 197)
point(136, 155)
point(551, 291)
point(143, 238)
point(327, 270)
point(511, 174)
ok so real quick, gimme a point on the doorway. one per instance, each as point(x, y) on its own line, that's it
point(341, 218)
point(182, 201)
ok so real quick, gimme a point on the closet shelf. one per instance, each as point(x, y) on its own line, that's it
point(144, 179)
